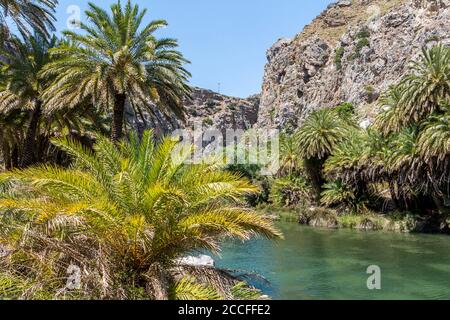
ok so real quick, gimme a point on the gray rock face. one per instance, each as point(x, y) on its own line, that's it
point(221, 112)
point(206, 108)
point(309, 72)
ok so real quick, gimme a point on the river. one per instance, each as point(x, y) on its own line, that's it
point(332, 264)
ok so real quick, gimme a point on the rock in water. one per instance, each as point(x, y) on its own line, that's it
point(200, 261)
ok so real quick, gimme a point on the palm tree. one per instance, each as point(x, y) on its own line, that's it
point(434, 149)
point(434, 139)
point(123, 215)
point(338, 193)
point(316, 139)
point(427, 86)
point(21, 85)
point(116, 61)
point(290, 161)
point(349, 157)
point(390, 119)
point(27, 14)
point(11, 137)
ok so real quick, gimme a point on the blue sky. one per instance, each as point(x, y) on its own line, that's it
point(226, 41)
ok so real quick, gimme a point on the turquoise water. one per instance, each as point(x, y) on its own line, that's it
point(331, 264)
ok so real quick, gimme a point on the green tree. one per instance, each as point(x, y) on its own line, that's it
point(316, 139)
point(116, 60)
point(22, 88)
point(123, 214)
point(27, 14)
point(427, 86)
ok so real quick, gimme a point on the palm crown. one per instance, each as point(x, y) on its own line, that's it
point(37, 14)
point(320, 133)
point(132, 208)
point(116, 60)
point(20, 84)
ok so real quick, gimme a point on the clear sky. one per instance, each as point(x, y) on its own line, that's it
point(225, 40)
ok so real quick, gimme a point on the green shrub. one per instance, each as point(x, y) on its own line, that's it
point(364, 221)
point(339, 54)
point(337, 193)
point(289, 191)
point(208, 122)
point(364, 33)
point(363, 42)
point(346, 110)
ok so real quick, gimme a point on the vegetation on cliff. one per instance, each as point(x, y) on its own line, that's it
point(401, 161)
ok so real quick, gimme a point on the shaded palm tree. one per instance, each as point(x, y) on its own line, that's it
point(117, 61)
point(11, 137)
point(434, 139)
point(27, 15)
point(316, 139)
point(339, 193)
point(290, 160)
point(124, 215)
point(21, 85)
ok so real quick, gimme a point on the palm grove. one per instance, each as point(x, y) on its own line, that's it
point(400, 162)
point(123, 207)
point(77, 192)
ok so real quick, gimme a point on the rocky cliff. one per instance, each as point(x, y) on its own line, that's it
point(352, 52)
point(206, 108)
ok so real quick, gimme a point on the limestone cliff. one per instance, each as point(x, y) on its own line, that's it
point(204, 107)
point(351, 53)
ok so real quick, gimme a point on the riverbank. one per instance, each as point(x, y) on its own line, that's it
point(320, 217)
point(316, 263)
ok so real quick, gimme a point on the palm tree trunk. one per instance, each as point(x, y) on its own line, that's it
point(118, 117)
point(394, 194)
point(15, 156)
point(6, 151)
point(158, 282)
point(314, 172)
point(30, 138)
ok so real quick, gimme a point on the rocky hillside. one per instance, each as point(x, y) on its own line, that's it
point(206, 108)
point(352, 52)
point(222, 112)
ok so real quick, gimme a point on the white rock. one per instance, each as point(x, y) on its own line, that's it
point(200, 261)
point(365, 124)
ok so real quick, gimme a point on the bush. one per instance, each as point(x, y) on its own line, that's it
point(208, 122)
point(289, 191)
point(364, 33)
point(339, 54)
point(364, 42)
point(345, 110)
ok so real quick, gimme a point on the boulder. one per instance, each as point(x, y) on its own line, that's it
point(200, 261)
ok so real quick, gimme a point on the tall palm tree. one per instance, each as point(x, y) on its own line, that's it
point(22, 87)
point(316, 139)
point(427, 86)
point(11, 137)
point(390, 119)
point(116, 61)
point(434, 139)
point(124, 216)
point(290, 161)
point(27, 15)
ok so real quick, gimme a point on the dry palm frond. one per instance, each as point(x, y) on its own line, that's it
point(121, 212)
